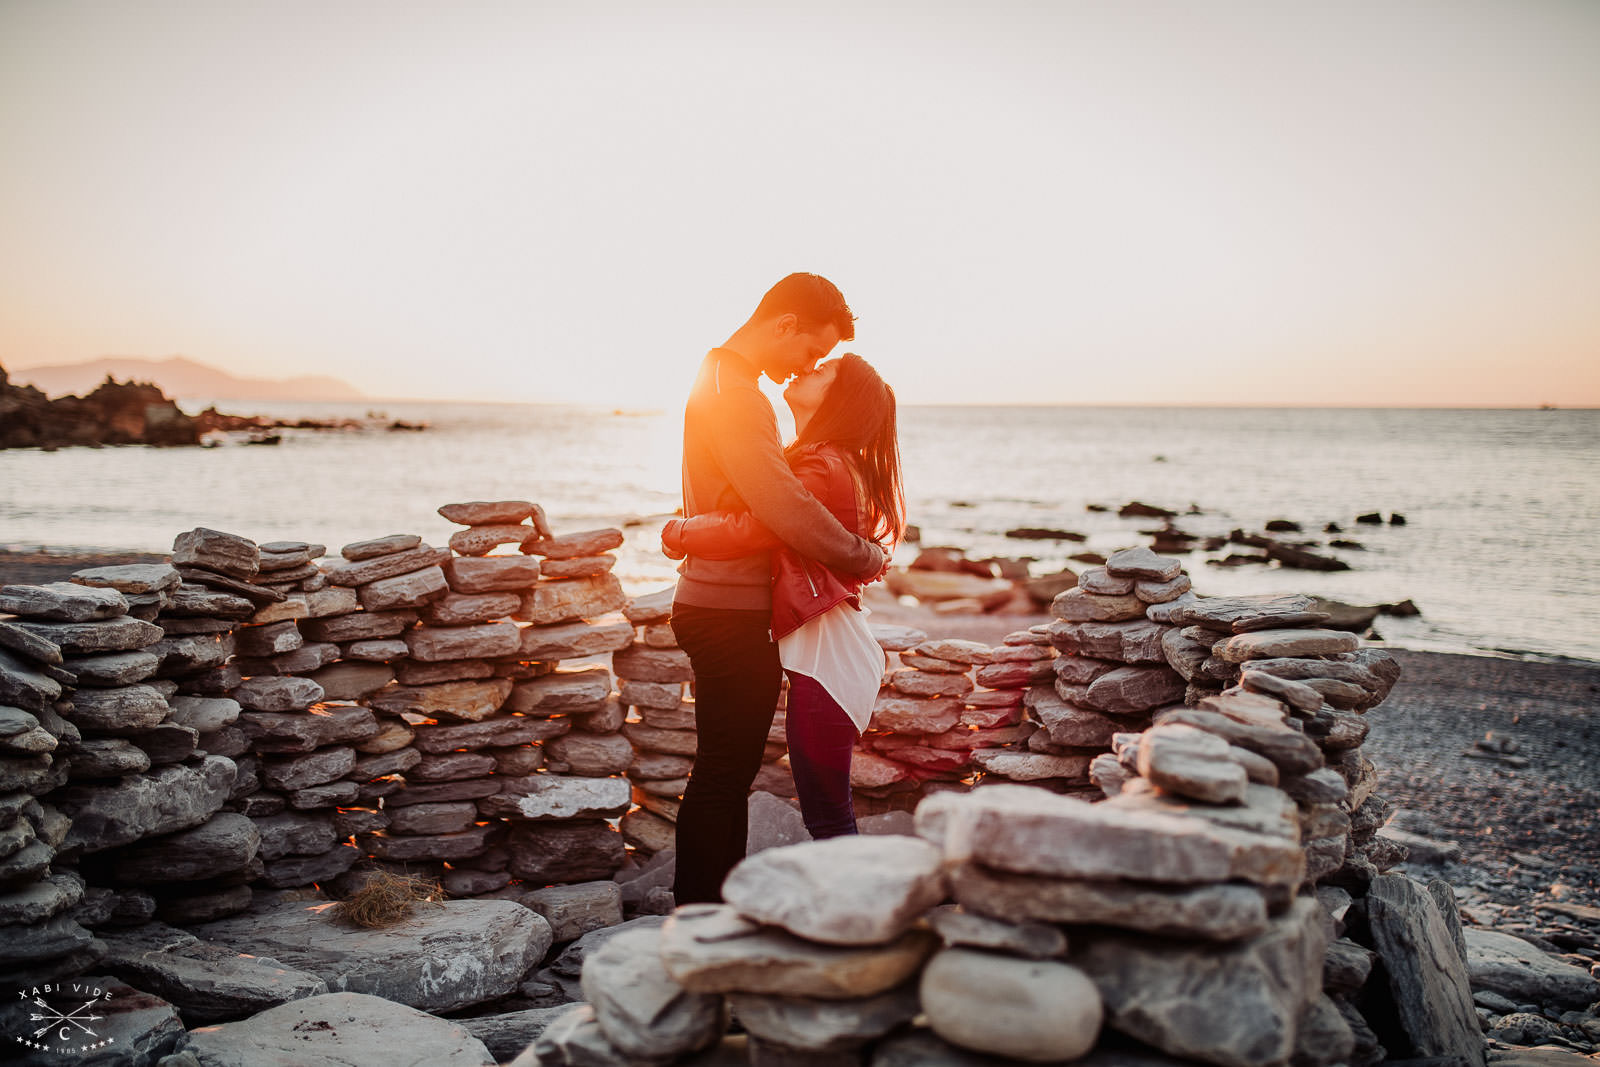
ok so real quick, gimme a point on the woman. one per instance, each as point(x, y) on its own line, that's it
point(847, 454)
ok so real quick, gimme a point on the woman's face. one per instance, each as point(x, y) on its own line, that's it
point(805, 393)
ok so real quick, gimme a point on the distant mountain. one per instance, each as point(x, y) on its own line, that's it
point(182, 379)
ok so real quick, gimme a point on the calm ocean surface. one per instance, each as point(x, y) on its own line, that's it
point(1499, 549)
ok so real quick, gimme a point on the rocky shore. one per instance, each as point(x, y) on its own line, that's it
point(1223, 899)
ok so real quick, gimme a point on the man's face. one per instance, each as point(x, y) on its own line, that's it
point(796, 351)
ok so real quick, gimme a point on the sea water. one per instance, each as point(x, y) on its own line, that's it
point(1498, 548)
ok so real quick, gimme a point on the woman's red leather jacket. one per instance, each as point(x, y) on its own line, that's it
point(802, 588)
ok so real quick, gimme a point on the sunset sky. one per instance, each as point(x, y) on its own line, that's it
point(1144, 202)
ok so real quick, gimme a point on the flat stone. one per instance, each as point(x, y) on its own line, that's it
point(267, 693)
point(481, 540)
point(1264, 644)
point(1026, 1009)
point(573, 545)
point(567, 599)
point(191, 600)
point(1069, 724)
point(378, 650)
point(223, 552)
point(488, 512)
point(708, 948)
point(223, 844)
point(379, 765)
point(1222, 613)
point(357, 551)
point(1080, 605)
point(574, 640)
point(28, 645)
point(1126, 690)
point(1030, 831)
point(312, 768)
point(62, 602)
point(107, 757)
point(1030, 940)
point(927, 684)
point(445, 847)
point(848, 890)
point(468, 609)
point(567, 851)
point(1142, 563)
point(24, 685)
point(360, 626)
point(657, 696)
point(1264, 809)
point(1427, 979)
point(1510, 966)
point(487, 574)
point(582, 567)
point(104, 635)
point(351, 681)
point(591, 755)
point(824, 1026)
point(451, 766)
point(113, 668)
point(437, 792)
point(496, 732)
point(642, 1011)
point(294, 834)
point(330, 600)
point(433, 643)
point(166, 800)
point(1015, 674)
point(655, 739)
point(574, 910)
point(337, 1028)
point(1165, 592)
point(477, 949)
point(1101, 582)
point(555, 797)
point(1223, 912)
point(445, 818)
point(420, 559)
point(1192, 763)
point(471, 700)
point(915, 715)
point(567, 690)
point(207, 982)
point(269, 639)
point(293, 871)
point(404, 590)
point(1233, 1004)
point(1290, 751)
point(131, 577)
point(1293, 693)
point(279, 732)
point(34, 903)
point(1134, 641)
point(1030, 766)
point(117, 711)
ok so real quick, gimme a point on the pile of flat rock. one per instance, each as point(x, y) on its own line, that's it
point(948, 709)
point(654, 686)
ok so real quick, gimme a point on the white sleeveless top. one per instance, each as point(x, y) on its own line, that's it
point(838, 650)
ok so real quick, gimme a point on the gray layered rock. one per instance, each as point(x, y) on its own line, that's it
point(338, 1028)
point(1226, 912)
point(62, 602)
point(488, 640)
point(824, 1025)
point(574, 640)
point(850, 890)
point(207, 982)
point(107, 635)
point(1192, 763)
point(268, 693)
point(641, 1009)
point(1237, 1005)
point(1026, 1009)
point(379, 546)
point(551, 797)
point(224, 843)
point(441, 958)
point(215, 550)
point(1264, 644)
point(1515, 969)
point(131, 577)
point(709, 948)
point(1427, 980)
point(164, 801)
point(575, 851)
point(1029, 831)
point(126, 709)
point(1236, 614)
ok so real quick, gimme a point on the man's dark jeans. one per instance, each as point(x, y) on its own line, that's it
point(737, 679)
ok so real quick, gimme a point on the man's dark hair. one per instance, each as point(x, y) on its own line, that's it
point(813, 300)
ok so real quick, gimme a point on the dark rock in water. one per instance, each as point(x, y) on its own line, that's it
point(1332, 527)
point(1371, 518)
point(1341, 542)
point(1282, 526)
point(1041, 533)
point(1405, 609)
point(1397, 519)
point(1341, 616)
point(116, 413)
point(1139, 510)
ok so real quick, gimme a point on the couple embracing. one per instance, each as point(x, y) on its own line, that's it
point(776, 544)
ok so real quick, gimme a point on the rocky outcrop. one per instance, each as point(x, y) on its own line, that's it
point(116, 413)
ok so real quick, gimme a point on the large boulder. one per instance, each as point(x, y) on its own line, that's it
point(443, 957)
point(338, 1028)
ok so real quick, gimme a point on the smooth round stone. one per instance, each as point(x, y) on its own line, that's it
point(1035, 1010)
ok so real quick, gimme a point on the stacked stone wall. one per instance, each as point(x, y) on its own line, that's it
point(179, 740)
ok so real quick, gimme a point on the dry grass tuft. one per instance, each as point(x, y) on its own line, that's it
point(387, 898)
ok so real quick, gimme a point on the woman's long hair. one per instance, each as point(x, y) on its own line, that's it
point(857, 416)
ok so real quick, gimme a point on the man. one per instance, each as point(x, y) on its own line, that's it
point(721, 614)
